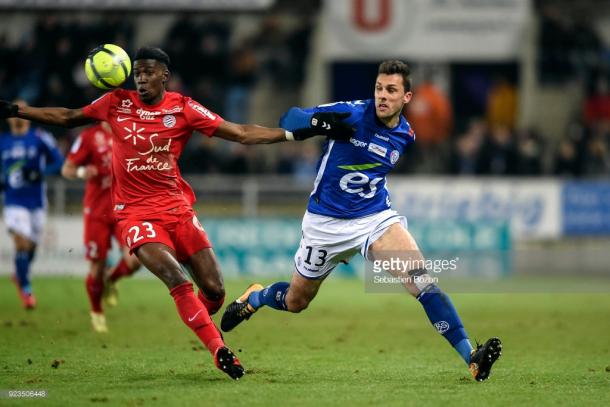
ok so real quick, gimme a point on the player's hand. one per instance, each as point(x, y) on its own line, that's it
point(31, 175)
point(91, 171)
point(329, 124)
point(8, 109)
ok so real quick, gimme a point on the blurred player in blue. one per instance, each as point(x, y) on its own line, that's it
point(27, 154)
point(350, 212)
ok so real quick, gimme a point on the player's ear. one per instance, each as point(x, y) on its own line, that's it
point(408, 96)
point(166, 76)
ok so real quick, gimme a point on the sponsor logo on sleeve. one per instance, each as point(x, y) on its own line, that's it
point(202, 110)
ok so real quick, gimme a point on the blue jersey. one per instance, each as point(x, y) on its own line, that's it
point(351, 178)
point(36, 151)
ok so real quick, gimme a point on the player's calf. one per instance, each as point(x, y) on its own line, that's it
point(442, 313)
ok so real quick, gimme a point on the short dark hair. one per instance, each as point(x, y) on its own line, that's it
point(152, 53)
point(394, 66)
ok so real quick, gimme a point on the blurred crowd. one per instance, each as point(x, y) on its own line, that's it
point(570, 51)
point(209, 62)
point(221, 69)
point(494, 144)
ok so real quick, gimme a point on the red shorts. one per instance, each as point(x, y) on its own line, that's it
point(97, 237)
point(179, 230)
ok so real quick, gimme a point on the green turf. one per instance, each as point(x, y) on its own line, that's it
point(348, 348)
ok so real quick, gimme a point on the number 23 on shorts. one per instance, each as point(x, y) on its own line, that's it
point(138, 232)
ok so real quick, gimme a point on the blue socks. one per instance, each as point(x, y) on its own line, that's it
point(436, 303)
point(445, 319)
point(273, 296)
point(22, 267)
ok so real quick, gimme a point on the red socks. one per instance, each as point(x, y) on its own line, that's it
point(210, 305)
point(195, 315)
point(121, 270)
point(95, 289)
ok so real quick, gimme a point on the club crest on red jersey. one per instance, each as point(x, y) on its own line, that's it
point(169, 121)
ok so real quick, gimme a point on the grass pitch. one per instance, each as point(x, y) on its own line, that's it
point(349, 348)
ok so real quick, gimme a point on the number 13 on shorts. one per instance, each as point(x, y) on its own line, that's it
point(312, 261)
point(138, 232)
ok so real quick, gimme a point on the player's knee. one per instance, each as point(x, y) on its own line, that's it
point(297, 305)
point(214, 291)
point(132, 263)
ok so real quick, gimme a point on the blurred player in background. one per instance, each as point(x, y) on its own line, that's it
point(152, 202)
point(27, 154)
point(350, 211)
point(90, 159)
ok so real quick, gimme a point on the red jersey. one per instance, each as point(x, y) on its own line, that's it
point(93, 147)
point(148, 141)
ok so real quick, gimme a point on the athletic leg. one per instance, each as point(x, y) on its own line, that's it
point(161, 260)
point(24, 248)
point(94, 285)
point(206, 274)
point(397, 241)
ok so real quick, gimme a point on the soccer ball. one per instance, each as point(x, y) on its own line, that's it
point(107, 66)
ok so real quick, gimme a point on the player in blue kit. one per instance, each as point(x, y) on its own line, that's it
point(27, 154)
point(350, 211)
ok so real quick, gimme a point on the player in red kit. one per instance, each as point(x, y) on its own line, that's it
point(152, 203)
point(90, 158)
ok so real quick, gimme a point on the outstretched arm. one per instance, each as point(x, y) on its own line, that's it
point(58, 116)
point(250, 133)
point(328, 124)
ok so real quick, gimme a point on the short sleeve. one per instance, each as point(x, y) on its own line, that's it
point(79, 152)
point(201, 118)
point(98, 109)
